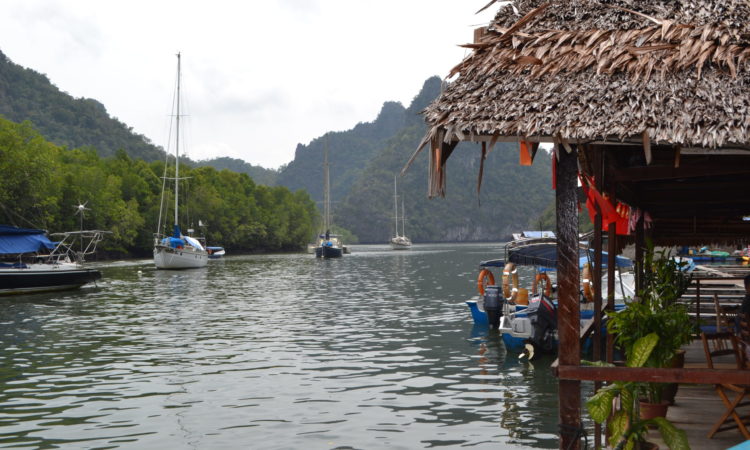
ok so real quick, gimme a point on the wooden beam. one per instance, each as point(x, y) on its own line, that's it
point(569, 351)
point(649, 374)
point(649, 173)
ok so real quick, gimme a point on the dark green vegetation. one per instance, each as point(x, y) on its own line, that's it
point(84, 122)
point(365, 159)
point(119, 172)
point(259, 174)
point(42, 183)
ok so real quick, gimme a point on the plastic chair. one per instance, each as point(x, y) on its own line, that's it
point(716, 345)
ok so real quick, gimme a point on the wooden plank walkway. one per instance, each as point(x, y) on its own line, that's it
point(697, 407)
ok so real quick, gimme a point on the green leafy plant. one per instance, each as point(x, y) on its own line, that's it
point(656, 310)
point(627, 429)
point(665, 281)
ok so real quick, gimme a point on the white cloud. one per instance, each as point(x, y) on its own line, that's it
point(259, 77)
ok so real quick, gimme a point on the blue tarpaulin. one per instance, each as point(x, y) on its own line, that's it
point(15, 240)
point(173, 242)
point(544, 254)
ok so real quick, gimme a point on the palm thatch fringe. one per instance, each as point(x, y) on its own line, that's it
point(676, 72)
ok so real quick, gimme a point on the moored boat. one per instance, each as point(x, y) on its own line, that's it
point(215, 252)
point(328, 245)
point(177, 251)
point(30, 262)
point(528, 321)
point(399, 241)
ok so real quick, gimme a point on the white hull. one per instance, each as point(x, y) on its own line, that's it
point(400, 243)
point(187, 258)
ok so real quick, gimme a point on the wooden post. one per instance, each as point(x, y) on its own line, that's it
point(698, 303)
point(611, 261)
point(640, 243)
point(568, 322)
point(597, 283)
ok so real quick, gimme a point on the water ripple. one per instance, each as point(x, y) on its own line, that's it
point(373, 350)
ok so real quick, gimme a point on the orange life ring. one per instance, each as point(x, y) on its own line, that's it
point(485, 278)
point(547, 284)
point(588, 292)
point(510, 273)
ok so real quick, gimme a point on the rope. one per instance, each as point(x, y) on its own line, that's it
point(577, 433)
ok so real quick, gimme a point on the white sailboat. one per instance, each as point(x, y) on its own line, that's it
point(328, 245)
point(177, 251)
point(399, 241)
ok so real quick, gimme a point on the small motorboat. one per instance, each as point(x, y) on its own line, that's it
point(528, 321)
point(215, 252)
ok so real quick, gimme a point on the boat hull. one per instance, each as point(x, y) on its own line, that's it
point(171, 258)
point(23, 281)
point(400, 245)
point(328, 252)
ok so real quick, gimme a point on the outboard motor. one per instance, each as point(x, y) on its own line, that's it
point(542, 315)
point(493, 305)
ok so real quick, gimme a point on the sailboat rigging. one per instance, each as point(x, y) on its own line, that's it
point(329, 245)
point(177, 251)
point(399, 241)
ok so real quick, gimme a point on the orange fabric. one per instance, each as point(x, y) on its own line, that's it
point(609, 214)
point(524, 153)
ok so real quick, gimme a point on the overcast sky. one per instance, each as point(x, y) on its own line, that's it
point(258, 77)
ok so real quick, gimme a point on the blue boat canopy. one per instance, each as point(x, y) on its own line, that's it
point(15, 240)
point(544, 254)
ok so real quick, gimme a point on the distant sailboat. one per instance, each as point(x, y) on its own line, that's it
point(328, 245)
point(399, 241)
point(177, 251)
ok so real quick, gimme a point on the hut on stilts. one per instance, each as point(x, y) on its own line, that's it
point(646, 101)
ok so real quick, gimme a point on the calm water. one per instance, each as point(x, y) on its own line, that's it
point(374, 350)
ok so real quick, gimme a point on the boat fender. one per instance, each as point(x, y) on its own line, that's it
point(547, 284)
point(588, 292)
point(485, 278)
point(510, 273)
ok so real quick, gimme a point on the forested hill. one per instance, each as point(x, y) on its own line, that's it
point(83, 122)
point(64, 120)
point(260, 175)
point(364, 162)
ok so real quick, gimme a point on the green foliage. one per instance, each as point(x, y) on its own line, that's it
point(64, 120)
point(260, 175)
point(664, 282)
point(627, 429)
point(365, 159)
point(656, 311)
point(41, 184)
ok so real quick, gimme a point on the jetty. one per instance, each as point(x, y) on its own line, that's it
point(645, 110)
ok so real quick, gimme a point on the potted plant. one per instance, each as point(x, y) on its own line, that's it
point(627, 428)
point(656, 310)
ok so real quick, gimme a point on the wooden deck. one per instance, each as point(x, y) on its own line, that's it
point(696, 409)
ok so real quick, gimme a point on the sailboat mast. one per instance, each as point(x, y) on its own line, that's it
point(327, 187)
point(395, 203)
point(177, 147)
point(403, 218)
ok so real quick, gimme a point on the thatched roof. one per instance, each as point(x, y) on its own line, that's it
point(605, 70)
point(669, 79)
